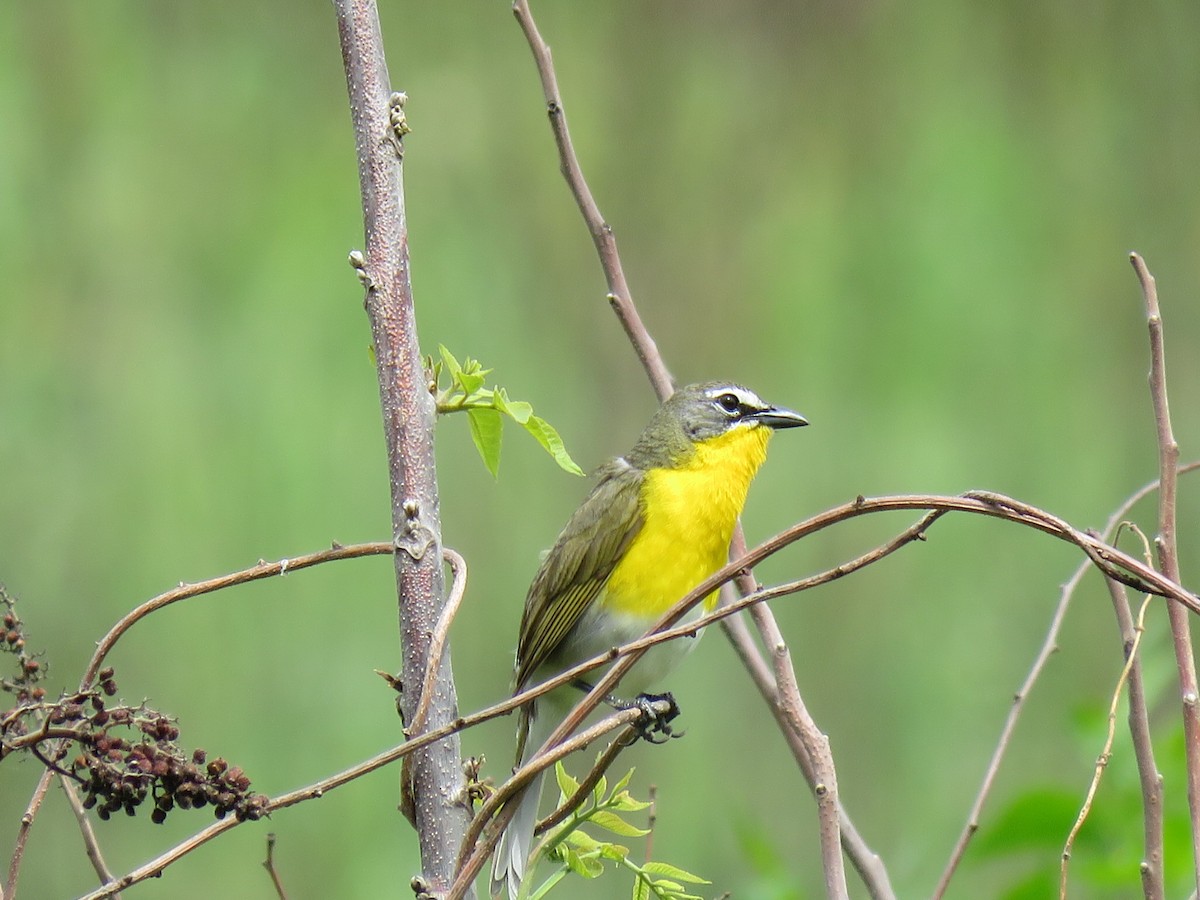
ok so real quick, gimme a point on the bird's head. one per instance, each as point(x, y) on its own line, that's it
point(701, 412)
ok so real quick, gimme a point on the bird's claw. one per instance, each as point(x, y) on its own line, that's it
point(654, 725)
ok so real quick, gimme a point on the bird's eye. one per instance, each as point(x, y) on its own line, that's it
point(729, 402)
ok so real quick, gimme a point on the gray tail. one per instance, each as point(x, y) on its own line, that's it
point(512, 852)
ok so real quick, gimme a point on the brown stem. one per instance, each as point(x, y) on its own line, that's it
point(1153, 887)
point(824, 785)
point(269, 865)
point(182, 592)
point(1168, 550)
point(408, 422)
point(458, 567)
point(602, 233)
point(624, 740)
point(868, 863)
point(1049, 645)
point(785, 696)
point(1008, 510)
point(90, 842)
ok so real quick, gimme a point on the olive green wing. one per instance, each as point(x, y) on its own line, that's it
point(578, 565)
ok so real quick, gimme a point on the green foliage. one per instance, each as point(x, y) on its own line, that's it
point(576, 851)
point(1028, 835)
point(774, 878)
point(486, 409)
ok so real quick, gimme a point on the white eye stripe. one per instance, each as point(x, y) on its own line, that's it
point(745, 398)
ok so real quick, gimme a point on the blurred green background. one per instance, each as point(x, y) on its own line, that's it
point(909, 221)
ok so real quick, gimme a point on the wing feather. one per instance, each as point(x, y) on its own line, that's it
point(578, 565)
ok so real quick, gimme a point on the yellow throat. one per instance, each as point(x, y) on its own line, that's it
point(689, 512)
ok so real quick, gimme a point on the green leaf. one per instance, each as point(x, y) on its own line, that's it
point(615, 852)
point(624, 802)
point(583, 866)
point(623, 782)
point(451, 364)
point(566, 784)
point(545, 434)
point(641, 888)
point(470, 382)
point(669, 871)
point(599, 789)
point(614, 823)
point(582, 841)
point(486, 432)
point(519, 410)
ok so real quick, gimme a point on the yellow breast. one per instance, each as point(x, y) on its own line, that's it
point(689, 513)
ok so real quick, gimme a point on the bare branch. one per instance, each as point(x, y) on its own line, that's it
point(785, 695)
point(1109, 559)
point(269, 865)
point(182, 592)
point(1151, 869)
point(458, 566)
point(1049, 645)
point(409, 414)
point(90, 842)
point(483, 834)
point(868, 863)
point(825, 778)
point(260, 570)
point(1106, 753)
point(624, 740)
point(997, 507)
point(1168, 549)
point(602, 233)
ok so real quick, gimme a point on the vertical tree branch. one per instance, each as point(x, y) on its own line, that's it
point(408, 420)
point(1168, 551)
point(781, 702)
point(601, 231)
point(1143, 750)
point(824, 785)
point(800, 730)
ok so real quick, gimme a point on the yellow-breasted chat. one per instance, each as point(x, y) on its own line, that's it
point(657, 522)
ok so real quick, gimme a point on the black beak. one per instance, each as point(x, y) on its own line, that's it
point(778, 417)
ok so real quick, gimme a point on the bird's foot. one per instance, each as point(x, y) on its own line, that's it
point(658, 711)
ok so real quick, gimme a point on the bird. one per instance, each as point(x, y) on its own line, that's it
point(657, 522)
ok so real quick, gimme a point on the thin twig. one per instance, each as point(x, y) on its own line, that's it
point(624, 740)
point(997, 506)
point(458, 567)
point(1168, 550)
point(602, 234)
point(90, 842)
point(485, 831)
point(1109, 559)
point(269, 865)
point(260, 570)
point(182, 592)
point(825, 777)
point(1049, 646)
point(1151, 868)
point(1105, 754)
point(783, 697)
point(868, 863)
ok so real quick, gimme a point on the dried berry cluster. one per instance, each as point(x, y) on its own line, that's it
point(29, 669)
point(122, 755)
point(122, 773)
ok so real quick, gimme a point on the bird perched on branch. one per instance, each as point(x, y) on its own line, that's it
point(656, 524)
